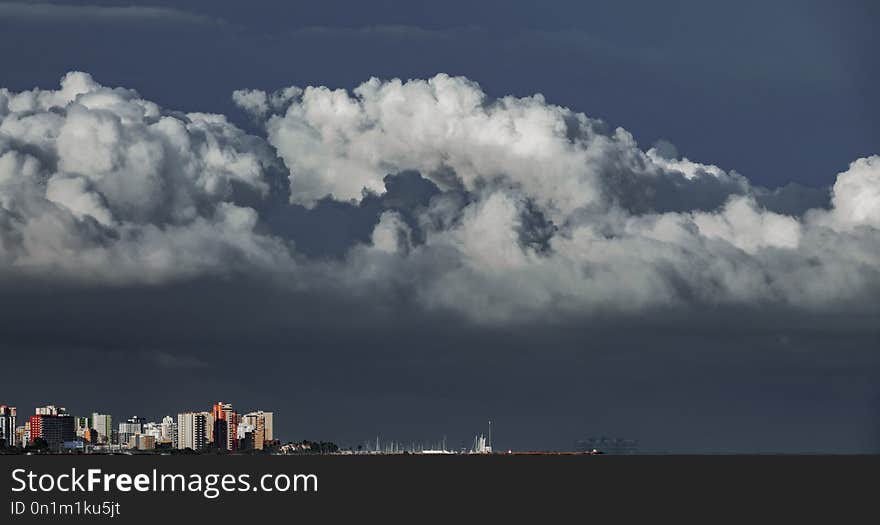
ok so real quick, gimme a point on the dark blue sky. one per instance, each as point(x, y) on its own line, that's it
point(780, 92)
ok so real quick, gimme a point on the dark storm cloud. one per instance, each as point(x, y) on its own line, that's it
point(96, 14)
point(722, 380)
point(172, 360)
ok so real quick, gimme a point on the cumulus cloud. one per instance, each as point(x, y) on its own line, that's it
point(100, 184)
point(499, 209)
point(856, 195)
point(545, 209)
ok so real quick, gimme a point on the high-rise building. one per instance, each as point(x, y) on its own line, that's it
point(7, 425)
point(152, 429)
point(223, 412)
point(246, 437)
point(162, 432)
point(35, 427)
point(192, 430)
point(90, 435)
point(103, 424)
point(269, 418)
point(131, 426)
point(209, 427)
point(142, 442)
point(22, 435)
point(166, 429)
point(81, 424)
point(54, 429)
point(244, 428)
point(221, 433)
point(260, 420)
point(50, 410)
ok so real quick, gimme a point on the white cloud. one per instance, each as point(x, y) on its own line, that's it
point(339, 144)
point(73, 193)
point(391, 234)
point(634, 229)
point(856, 195)
point(98, 184)
point(542, 211)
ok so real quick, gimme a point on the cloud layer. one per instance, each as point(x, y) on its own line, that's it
point(39, 11)
point(498, 209)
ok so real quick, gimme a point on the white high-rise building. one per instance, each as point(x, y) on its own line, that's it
point(244, 429)
point(254, 418)
point(132, 426)
point(166, 434)
point(192, 430)
point(103, 424)
point(23, 435)
point(152, 429)
point(81, 424)
point(141, 442)
point(162, 432)
point(50, 410)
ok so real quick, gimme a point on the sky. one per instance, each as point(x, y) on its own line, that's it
point(654, 222)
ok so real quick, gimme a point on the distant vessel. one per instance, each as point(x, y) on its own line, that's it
point(483, 444)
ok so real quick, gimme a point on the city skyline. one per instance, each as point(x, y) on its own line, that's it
point(61, 430)
point(221, 428)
